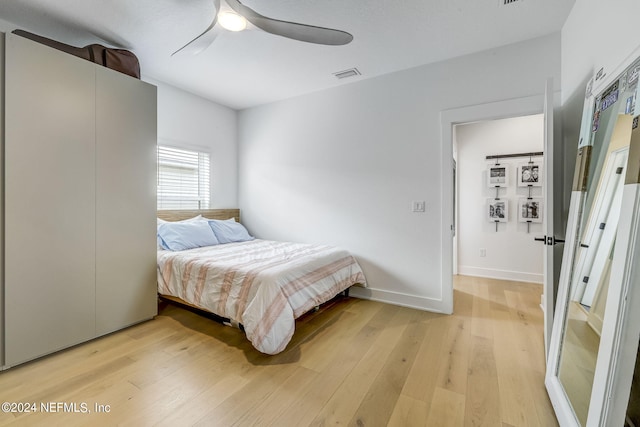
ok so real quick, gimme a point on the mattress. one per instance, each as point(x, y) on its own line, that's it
point(264, 285)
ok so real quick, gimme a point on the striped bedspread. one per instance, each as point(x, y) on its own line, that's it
point(265, 285)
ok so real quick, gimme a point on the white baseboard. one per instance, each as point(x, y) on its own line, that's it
point(517, 276)
point(396, 298)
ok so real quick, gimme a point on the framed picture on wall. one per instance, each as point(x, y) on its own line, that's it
point(498, 175)
point(530, 210)
point(530, 175)
point(497, 210)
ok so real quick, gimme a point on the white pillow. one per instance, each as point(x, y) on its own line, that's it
point(195, 218)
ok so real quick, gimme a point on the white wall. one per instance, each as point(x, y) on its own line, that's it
point(189, 121)
point(342, 166)
point(511, 252)
point(597, 34)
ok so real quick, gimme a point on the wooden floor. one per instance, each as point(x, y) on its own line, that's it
point(353, 362)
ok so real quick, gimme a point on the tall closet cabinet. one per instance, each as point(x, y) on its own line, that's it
point(79, 180)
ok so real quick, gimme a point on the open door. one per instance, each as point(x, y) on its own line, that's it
point(549, 239)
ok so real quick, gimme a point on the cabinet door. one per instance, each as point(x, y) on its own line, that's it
point(126, 201)
point(2, 40)
point(49, 200)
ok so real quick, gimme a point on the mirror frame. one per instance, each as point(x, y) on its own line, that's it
point(621, 325)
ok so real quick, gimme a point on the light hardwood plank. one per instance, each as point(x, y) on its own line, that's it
point(453, 372)
point(482, 407)
point(516, 399)
point(311, 402)
point(409, 412)
point(447, 409)
point(421, 382)
point(481, 315)
point(269, 409)
point(203, 402)
point(347, 399)
point(377, 406)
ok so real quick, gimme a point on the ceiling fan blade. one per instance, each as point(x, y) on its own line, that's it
point(292, 30)
point(205, 39)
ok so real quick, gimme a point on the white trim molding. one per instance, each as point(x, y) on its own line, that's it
point(397, 298)
point(492, 273)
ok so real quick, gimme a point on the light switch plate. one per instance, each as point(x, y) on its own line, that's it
point(419, 206)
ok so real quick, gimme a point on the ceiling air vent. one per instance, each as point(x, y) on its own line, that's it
point(347, 73)
point(506, 2)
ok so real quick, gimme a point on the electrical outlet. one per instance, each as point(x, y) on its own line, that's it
point(419, 206)
point(483, 252)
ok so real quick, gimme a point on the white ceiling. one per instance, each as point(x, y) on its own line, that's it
point(253, 67)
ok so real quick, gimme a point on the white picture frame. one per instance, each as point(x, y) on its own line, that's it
point(497, 210)
point(530, 210)
point(498, 175)
point(530, 174)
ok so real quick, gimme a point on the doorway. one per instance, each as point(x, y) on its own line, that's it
point(499, 246)
point(449, 118)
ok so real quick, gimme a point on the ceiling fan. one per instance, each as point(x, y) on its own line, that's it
point(235, 16)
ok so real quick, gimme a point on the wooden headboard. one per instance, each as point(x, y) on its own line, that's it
point(207, 213)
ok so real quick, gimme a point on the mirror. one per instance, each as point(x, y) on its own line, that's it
point(632, 417)
point(596, 216)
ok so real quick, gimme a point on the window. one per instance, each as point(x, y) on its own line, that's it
point(183, 179)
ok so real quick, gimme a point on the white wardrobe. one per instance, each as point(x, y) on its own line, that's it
point(79, 179)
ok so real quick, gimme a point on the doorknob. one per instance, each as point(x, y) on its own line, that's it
point(553, 241)
point(548, 240)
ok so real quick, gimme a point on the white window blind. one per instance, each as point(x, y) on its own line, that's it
point(183, 179)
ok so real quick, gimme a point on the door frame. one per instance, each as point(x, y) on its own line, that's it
point(510, 108)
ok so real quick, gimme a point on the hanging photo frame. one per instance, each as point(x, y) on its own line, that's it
point(530, 174)
point(530, 210)
point(498, 175)
point(497, 210)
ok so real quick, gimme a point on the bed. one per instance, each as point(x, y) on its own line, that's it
point(259, 284)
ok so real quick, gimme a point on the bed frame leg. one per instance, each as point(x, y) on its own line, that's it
point(346, 293)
